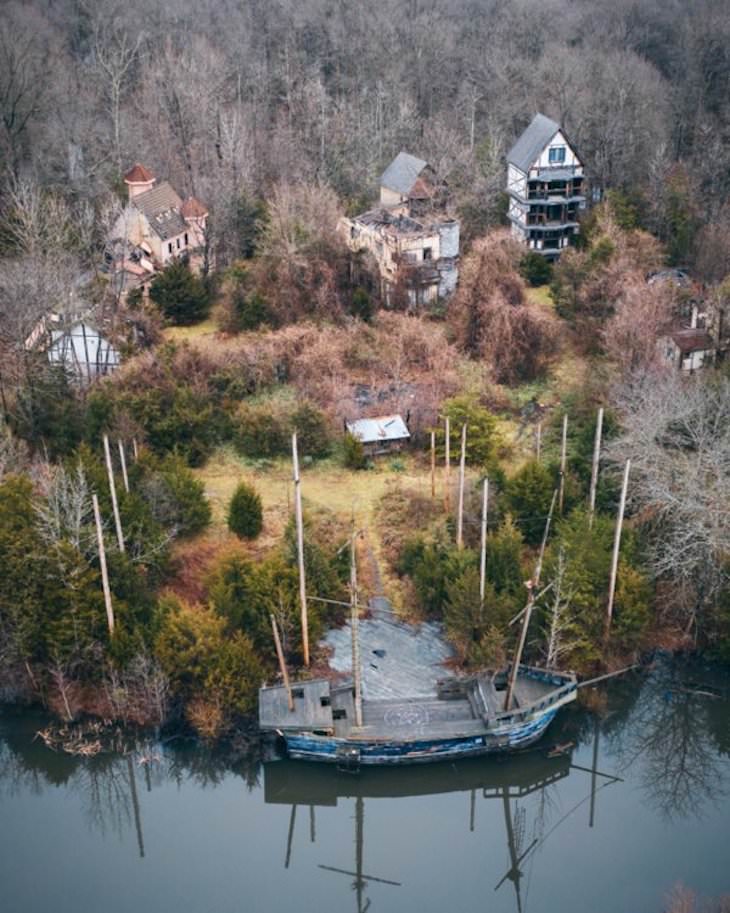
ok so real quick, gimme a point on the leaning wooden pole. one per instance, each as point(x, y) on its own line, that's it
point(617, 546)
point(460, 510)
point(102, 565)
point(123, 462)
point(483, 549)
point(355, 631)
point(282, 663)
point(113, 492)
point(533, 588)
point(433, 464)
point(563, 459)
point(447, 465)
point(594, 468)
point(135, 449)
point(300, 549)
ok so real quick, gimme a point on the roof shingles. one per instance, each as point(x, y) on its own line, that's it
point(533, 140)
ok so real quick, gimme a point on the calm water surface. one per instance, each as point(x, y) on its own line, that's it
point(641, 802)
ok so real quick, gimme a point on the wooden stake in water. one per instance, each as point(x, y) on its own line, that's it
point(460, 510)
point(102, 565)
point(563, 455)
point(483, 551)
point(617, 546)
point(594, 467)
point(113, 492)
point(300, 549)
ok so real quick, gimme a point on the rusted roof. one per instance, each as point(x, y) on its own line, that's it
point(138, 174)
point(193, 209)
point(162, 206)
point(692, 340)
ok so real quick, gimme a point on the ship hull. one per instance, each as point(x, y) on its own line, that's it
point(356, 752)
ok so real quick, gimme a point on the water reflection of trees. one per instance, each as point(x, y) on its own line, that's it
point(111, 786)
point(670, 736)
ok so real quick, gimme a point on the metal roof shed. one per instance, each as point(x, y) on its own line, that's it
point(381, 434)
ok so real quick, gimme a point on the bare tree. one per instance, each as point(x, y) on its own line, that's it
point(677, 435)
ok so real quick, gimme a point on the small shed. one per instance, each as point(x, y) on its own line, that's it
point(384, 434)
point(83, 351)
point(689, 349)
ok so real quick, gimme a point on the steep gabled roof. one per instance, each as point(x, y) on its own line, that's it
point(138, 174)
point(162, 206)
point(402, 173)
point(534, 139)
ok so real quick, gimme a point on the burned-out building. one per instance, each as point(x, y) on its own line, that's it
point(411, 236)
point(545, 183)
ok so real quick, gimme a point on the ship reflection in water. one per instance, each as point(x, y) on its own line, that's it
point(505, 781)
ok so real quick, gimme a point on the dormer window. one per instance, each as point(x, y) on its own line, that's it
point(556, 155)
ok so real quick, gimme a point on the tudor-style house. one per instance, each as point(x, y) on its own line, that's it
point(545, 187)
point(155, 226)
point(411, 235)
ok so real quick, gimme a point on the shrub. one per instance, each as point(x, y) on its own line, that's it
point(245, 514)
point(181, 296)
point(362, 305)
point(529, 493)
point(313, 437)
point(261, 430)
point(482, 437)
point(536, 269)
point(353, 452)
point(176, 498)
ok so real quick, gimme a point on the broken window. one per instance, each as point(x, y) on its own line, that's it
point(427, 253)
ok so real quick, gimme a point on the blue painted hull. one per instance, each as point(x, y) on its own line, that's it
point(506, 738)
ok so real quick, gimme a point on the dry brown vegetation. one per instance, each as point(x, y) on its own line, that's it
point(492, 317)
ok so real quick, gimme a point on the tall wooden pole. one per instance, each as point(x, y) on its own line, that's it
point(563, 456)
point(113, 492)
point(282, 663)
point(355, 631)
point(102, 564)
point(433, 464)
point(460, 511)
point(123, 461)
point(617, 546)
point(483, 551)
point(135, 449)
point(300, 549)
point(538, 441)
point(533, 587)
point(594, 467)
point(447, 465)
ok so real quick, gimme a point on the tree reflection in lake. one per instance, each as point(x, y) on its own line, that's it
point(672, 735)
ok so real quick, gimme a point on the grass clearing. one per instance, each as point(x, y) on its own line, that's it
point(197, 331)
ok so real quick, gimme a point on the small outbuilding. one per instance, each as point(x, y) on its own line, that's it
point(384, 434)
point(83, 351)
point(689, 349)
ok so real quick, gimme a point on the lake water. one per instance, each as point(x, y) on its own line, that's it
point(640, 803)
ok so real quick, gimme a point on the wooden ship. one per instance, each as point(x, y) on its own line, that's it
point(482, 714)
point(466, 718)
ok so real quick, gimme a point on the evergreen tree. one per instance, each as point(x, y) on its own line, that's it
point(245, 513)
point(180, 295)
